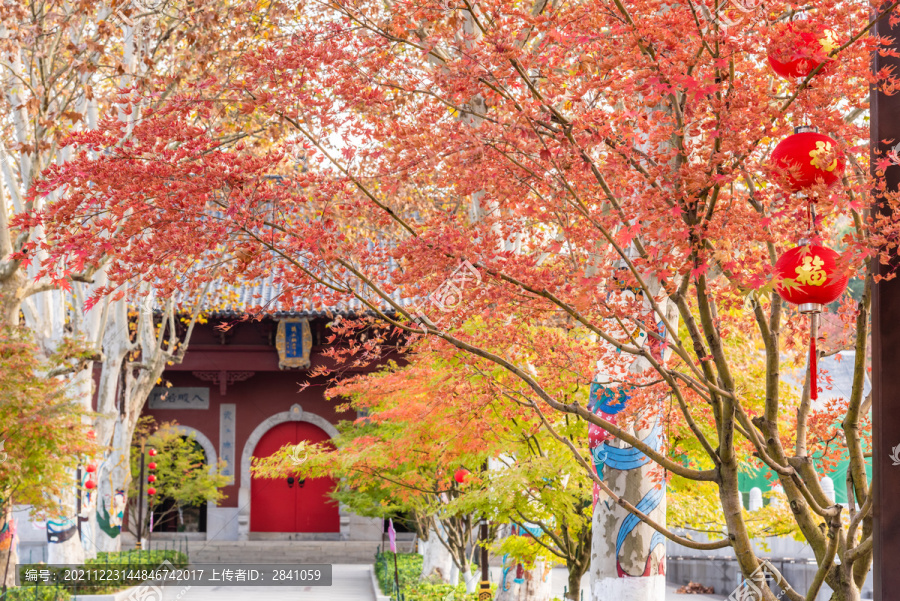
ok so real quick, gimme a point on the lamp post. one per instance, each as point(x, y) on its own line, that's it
point(484, 594)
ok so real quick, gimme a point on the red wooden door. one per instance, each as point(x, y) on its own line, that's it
point(277, 507)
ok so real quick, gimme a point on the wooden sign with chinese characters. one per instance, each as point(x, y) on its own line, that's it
point(227, 427)
point(178, 398)
point(293, 342)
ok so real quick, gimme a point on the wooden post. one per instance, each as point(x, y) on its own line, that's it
point(885, 125)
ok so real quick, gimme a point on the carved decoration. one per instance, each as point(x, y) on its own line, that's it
point(223, 377)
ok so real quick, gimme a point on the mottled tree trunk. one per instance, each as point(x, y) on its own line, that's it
point(628, 556)
point(526, 584)
point(635, 571)
point(437, 562)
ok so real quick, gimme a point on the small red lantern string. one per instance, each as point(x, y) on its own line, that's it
point(807, 275)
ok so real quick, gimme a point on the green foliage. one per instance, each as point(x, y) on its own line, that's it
point(694, 505)
point(42, 432)
point(143, 559)
point(409, 566)
point(403, 455)
point(35, 593)
point(181, 470)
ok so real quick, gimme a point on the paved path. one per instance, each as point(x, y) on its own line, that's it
point(560, 578)
point(350, 583)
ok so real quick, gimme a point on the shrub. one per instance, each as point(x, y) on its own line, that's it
point(409, 566)
point(126, 559)
point(35, 593)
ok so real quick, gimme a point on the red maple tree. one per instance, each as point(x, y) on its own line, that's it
point(466, 170)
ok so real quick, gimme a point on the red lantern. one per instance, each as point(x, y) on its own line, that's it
point(90, 468)
point(90, 485)
point(152, 465)
point(794, 53)
point(151, 491)
point(151, 478)
point(808, 158)
point(91, 434)
point(152, 452)
point(808, 276)
point(461, 475)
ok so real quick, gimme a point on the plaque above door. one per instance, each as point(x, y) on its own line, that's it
point(293, 342)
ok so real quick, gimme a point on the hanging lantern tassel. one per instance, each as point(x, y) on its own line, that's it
point(813, 359)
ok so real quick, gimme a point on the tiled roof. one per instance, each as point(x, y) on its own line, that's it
point(266, 294)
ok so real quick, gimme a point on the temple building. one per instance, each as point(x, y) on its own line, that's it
point(244, 390)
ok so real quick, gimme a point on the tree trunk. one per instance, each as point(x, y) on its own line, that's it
point(72, 548)
point(8, 541)
point(510, 581)
point(68, 549)
point(114, 472)
point(469, 577)
point(114, 476)
point(627, 556)
point(537, 583)
point(574, 588)
point(521, 584)
point(437, 563)
point(454, 574)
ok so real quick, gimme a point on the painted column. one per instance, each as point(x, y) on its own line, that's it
point(627, 556)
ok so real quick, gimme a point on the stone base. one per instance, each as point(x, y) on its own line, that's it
point(650, 588)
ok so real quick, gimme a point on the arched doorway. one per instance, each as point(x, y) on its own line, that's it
point(293, 505)
point(169, 515)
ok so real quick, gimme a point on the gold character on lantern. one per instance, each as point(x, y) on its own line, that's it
point(820, 155)
point(828, 42)
point(810, 272)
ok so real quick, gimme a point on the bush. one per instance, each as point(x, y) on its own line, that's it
point(35, 593)
point(126, 559)
point(142, 557)
point(409, 566)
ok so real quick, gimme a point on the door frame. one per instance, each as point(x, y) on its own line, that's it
point(296, 414)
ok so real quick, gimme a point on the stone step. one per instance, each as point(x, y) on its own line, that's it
point(271, 552)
